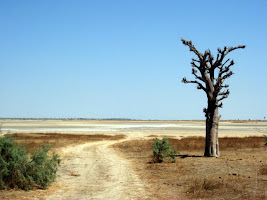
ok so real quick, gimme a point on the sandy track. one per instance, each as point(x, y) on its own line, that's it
point(95, 171)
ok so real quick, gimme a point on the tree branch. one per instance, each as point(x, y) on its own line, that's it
point(234, 48)
point(227, 76)
point(224, 63)
point(194, 65)
point(223, 74)
point(227, 92)
point(224, 86)
point(222, 53)
point(220, 56)
point(210, 58)
point(220, 105)
point(200, 86)
point(204, 69)
point(194, 72)
point(223, 97)
point(192, 48)
point(195, 60)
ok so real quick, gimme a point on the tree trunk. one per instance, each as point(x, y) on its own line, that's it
point(212, 122)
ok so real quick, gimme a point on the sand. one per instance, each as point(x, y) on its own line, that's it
point(133, 129)
point(95, 171)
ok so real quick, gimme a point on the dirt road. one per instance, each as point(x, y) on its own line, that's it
point(95, 171)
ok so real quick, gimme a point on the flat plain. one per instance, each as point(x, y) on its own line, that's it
point(133, 128)
point(111, 159)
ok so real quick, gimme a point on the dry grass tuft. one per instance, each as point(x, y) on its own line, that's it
point(263, 170)
point(223, 188)
point(203, 188)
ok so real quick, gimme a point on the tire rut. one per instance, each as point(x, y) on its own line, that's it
point(95, 171)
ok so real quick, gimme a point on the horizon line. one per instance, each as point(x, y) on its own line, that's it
point(119, 119)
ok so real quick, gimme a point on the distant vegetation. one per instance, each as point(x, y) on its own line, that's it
point(18, 169)
point(71, 118)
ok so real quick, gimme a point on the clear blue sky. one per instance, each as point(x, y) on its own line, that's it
point(124, 59)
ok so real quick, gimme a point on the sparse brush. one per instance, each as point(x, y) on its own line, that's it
point(207, 187)
point(199, 178)
point(162, 149)
point(17, 170)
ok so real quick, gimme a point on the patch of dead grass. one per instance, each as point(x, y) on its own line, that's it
point(238, 174)
point(233, 143)
point(225, 188)
point(57, 141)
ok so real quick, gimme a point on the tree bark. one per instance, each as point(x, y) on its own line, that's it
point(212, 124)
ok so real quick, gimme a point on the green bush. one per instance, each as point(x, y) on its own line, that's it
point(19, 170)
point(265, 137)
point(162, 149)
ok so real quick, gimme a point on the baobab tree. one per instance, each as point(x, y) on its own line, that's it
point(210, 75)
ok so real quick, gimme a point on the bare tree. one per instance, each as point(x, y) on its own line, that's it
point(204, 68)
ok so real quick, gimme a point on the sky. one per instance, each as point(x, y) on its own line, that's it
point(125, 59)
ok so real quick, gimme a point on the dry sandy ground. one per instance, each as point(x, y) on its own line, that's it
point(133, 129)
point(90, 169)
point(95, 171)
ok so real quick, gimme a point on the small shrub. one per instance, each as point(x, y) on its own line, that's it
point(162, 149)
point(18, 170)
